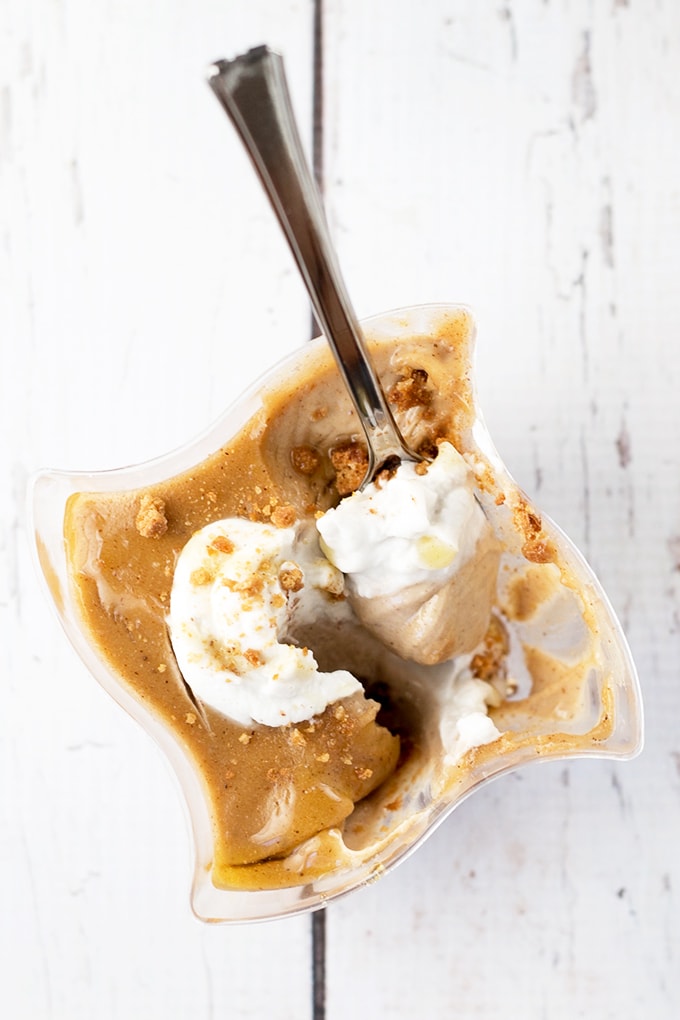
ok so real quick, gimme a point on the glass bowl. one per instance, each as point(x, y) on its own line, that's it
point(587, 703)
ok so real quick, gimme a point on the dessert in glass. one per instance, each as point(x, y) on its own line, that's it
point(331, 669)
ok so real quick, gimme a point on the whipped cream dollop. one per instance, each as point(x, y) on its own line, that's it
point(465, 721)
point(419, 525)
point(235, 589)
point(419, 556)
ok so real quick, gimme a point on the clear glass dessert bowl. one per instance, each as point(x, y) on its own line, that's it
point(565, 683)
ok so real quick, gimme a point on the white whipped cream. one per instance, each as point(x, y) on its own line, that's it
point(465, 721)
point(412, 528)
point(229, 613)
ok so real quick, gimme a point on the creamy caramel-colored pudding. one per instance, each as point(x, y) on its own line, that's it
point(293, 802)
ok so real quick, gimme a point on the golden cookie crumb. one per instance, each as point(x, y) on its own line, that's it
point(291, 577)
point(305, 459)
point(412, 390)
point(151, 521)
point(200, 577)
point(221, 544)
point(351, 464)
point(284, 516)
point(538, 550)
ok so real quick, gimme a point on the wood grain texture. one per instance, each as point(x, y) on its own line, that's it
point(143, 283)
point(520, 156)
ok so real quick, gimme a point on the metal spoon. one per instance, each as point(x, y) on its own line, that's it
point(252, 89)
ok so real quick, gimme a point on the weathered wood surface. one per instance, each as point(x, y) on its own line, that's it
point(519, 156)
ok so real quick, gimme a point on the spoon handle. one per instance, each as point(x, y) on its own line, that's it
point(252, 89)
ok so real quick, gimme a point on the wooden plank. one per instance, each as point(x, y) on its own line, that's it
point(523, 158)
point(143, 283)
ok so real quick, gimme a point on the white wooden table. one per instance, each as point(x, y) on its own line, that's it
point(519, 156)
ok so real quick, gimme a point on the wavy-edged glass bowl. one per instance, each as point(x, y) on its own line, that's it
point(607, 723)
